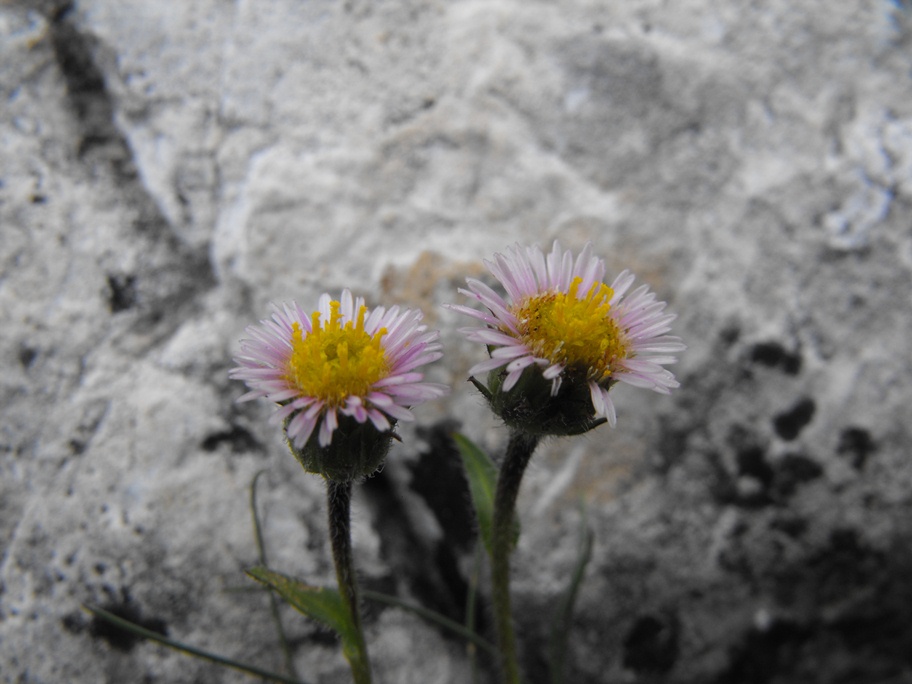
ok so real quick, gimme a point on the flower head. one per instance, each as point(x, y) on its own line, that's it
point(561, 323)
point(342, 370)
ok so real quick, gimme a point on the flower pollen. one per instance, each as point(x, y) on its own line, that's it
point(573, 330)
point(335, 360)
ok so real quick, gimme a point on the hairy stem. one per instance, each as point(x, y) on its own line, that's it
point(339, 499)
point(519, 451)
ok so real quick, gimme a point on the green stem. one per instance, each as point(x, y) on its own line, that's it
point(519, 451)
point(339, 500)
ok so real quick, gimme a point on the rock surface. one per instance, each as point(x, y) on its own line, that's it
point(168, 169)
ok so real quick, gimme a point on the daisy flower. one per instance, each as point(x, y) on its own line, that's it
point(342, 362)
point(561, 319)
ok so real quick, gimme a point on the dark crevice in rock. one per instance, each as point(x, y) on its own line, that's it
point(774, 355)
point(427, 569)
point(671, 444)
point(790, 423)
point(794, 470)
point(93, 414)
point(170, 274)
point(237, 438)
point(792, 525)
point(722, 485)
point(760, 656)
point(651, 644)
point(117, 637)
point(437, 477)
point(407, 553)
point(756, 480)
point(843, 614)
point(857, 445)
point(754, 477)
point(74, 622)
point(321, 636)
point(752, 463)
point(88, 95)
point(867, 596)
point(534, 649)
point(749, 484)
point(121, 292)
point(729, 334)
point(27, 356)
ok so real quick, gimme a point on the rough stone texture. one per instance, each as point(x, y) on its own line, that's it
point(168, 169)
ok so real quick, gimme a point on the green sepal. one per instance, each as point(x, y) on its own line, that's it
point(322, 604)
point(481, 473)
point(356, 451)
point(530, 407)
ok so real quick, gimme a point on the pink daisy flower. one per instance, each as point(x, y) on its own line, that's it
point(341, 360)
point(561, 318)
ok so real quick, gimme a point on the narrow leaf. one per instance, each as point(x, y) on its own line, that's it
point(318, 603)
point(140, 631)
point(481, 474)
point(324, 605)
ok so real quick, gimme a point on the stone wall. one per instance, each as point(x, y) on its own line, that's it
point(168, 169)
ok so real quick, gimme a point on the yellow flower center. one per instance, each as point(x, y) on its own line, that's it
point(336, 361)
point(573, 331)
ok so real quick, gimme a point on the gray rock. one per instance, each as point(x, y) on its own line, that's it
point(168, 169)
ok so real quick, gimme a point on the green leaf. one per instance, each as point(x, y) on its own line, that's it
point(481, 473)
point(322, 604)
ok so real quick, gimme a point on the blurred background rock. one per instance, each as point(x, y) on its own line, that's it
point(168, 169)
